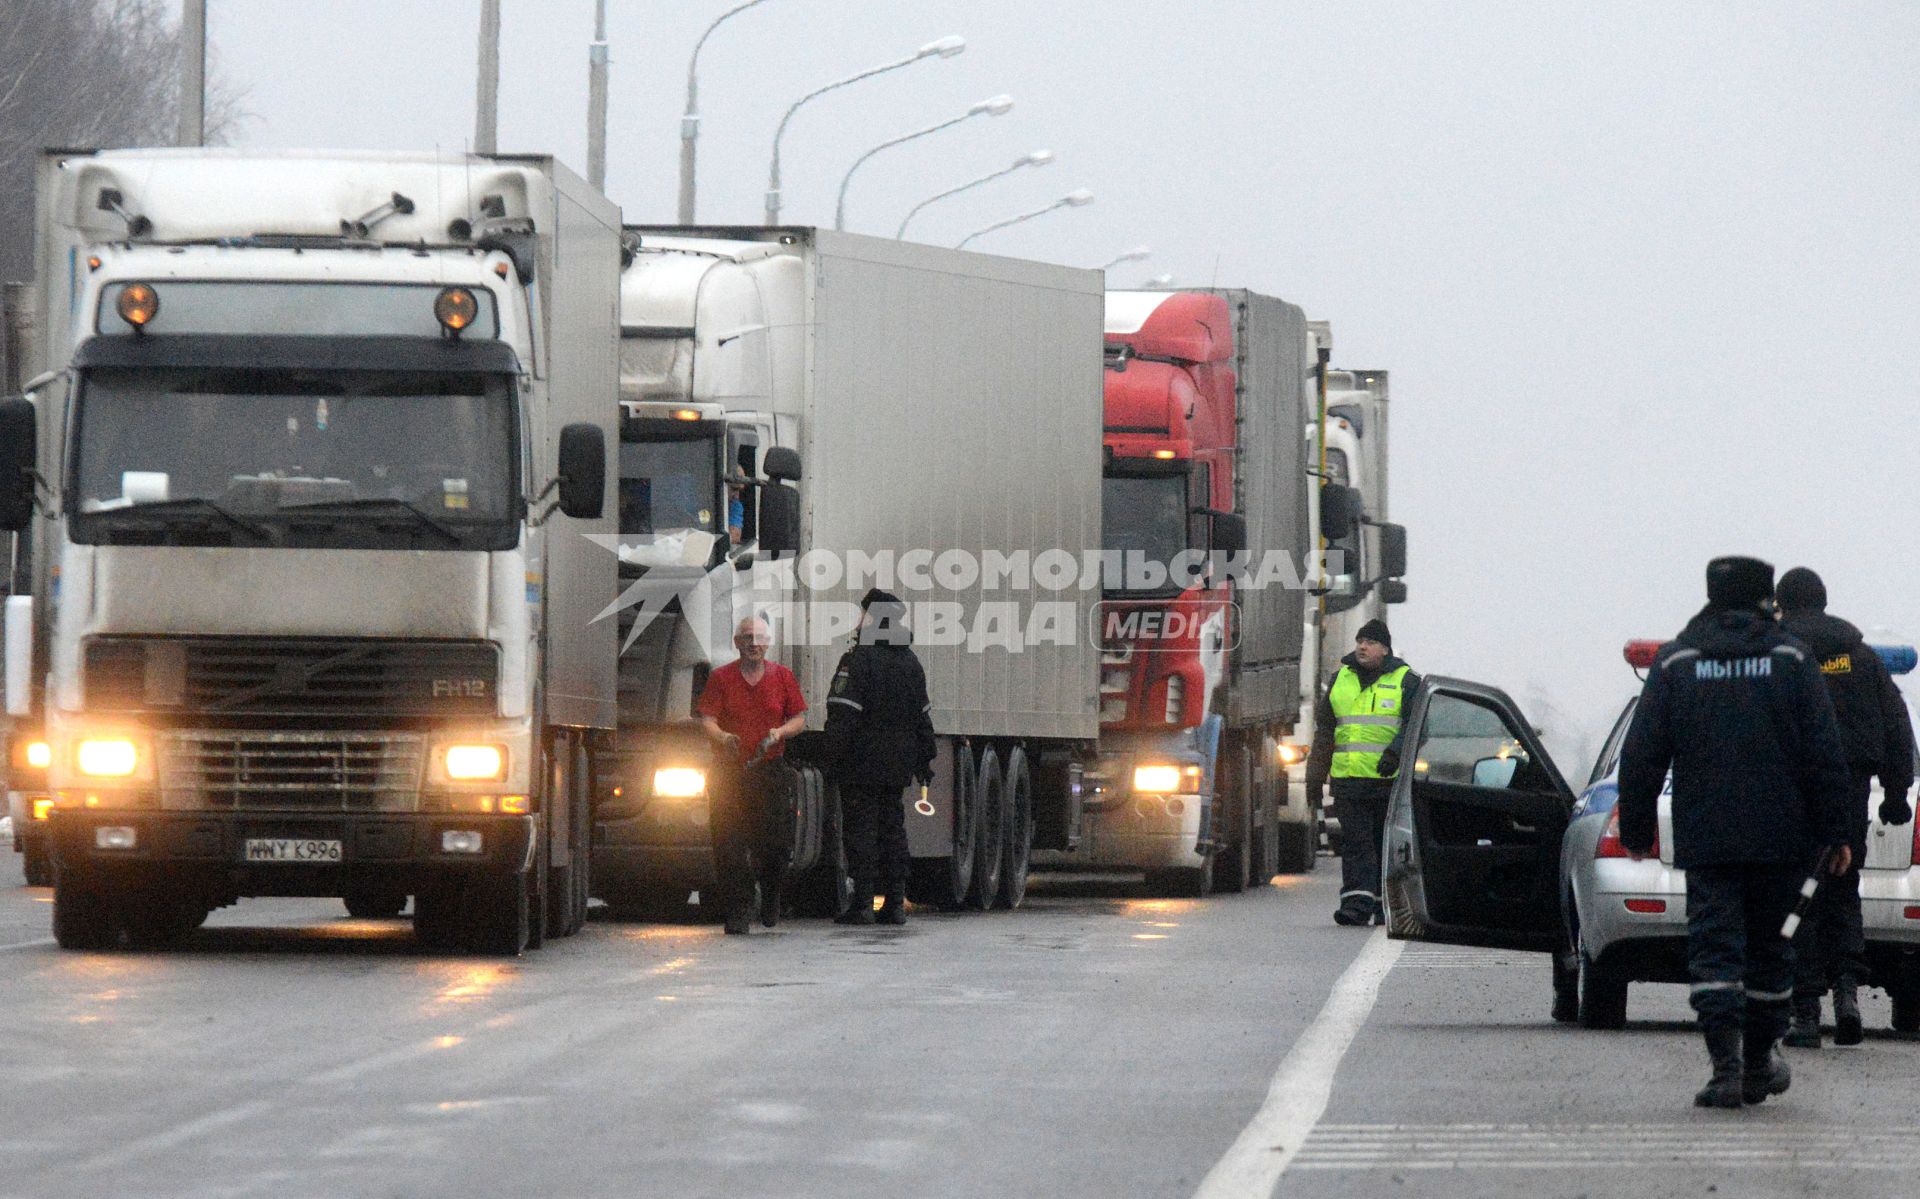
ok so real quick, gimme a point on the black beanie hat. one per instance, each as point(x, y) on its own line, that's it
point(888, 619)
point(1736, 582)
point(1800, 590)
point(1375, 630)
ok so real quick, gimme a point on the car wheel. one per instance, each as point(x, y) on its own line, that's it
point(1603, 994)
point(38, 866)
point(1566, 987)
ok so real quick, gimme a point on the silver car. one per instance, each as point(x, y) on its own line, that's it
point(1487, 845)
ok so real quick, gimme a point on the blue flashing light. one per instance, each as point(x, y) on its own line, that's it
point(1900, 659)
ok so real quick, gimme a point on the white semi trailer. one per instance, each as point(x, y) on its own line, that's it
point(319, 442)
point(895, 414)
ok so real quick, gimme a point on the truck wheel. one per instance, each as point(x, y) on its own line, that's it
point(826, 891)
point(375, 903)
point(82, 918)
point(1603, 994)
point(944, 881)
point(1019, 851)
point(990, 847)
point(1187, 882)
point(154, 922)
point(37, 866)
point(436, 918)
point(540, 893)
point(498, 915)
point(1232, 819)
point(1299, 846)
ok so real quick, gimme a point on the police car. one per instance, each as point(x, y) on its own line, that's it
point(1487, 845)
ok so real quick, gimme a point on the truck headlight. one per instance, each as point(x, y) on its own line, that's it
point(107, 757)
point(679, 782)
point(1164, 779)
point(474, 763)
point(38, 755)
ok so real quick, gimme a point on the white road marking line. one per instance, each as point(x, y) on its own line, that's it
point(27, 944)
point(1303, 1084)
point(1616, 1146)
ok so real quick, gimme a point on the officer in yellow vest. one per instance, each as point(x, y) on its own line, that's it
point(1356, 742)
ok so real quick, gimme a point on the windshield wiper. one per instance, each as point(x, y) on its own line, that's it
point(197, 505)
point(387, 503)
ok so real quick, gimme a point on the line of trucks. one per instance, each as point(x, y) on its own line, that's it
point(376, 520)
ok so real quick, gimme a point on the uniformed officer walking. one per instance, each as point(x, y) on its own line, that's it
point(1830, 950)
point(1734, 707)
point(1357, 730)
point(879, 739)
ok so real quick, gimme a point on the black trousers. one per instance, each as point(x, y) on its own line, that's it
point(874, 823)
point(1741, 967)
point(1362, 804)
point(751, 822)
point(1831, 946)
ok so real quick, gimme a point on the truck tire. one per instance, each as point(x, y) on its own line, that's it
point(1299, 845)
point(37, 865)
point(436, 918)
point(82, 918)
point(1185, 882)
point(944, 882)
point(990, 849)
point(826, 891)
point(1019, 848)
point(539, 892)
point(155, 922)
point(498, 915)
point(1232, 818)
point(375, 903)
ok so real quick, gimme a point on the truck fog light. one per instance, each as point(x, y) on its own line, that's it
point(115, 836)
point(679, 782)
point(1175, 806)
point(460, 841)
point(42, 804)
point(1145, 807)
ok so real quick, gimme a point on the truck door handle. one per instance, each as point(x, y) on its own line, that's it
point(1518, 827)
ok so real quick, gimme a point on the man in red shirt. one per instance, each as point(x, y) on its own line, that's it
point(750, 707)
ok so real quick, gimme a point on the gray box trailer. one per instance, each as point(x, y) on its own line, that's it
point(942, 403)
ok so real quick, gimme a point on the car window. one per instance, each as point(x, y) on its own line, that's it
point(1471, 742)
point(1609, 756)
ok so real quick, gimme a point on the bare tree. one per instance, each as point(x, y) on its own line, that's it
point(84, 74)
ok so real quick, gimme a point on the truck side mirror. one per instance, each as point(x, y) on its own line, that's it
point(1229, 533)
point(782, 464)
point(1393, 551)
point(1339, 509)
point(583, 471)
point(18, 449)
point(1393, 591)
point(779, 517)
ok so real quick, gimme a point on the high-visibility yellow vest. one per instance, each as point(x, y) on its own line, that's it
point(1365, 720)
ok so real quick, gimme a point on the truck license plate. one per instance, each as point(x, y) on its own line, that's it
point(291, 849)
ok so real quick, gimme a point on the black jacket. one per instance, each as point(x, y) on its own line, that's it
point(1875, 731)
point(1735, 708)
point(1320, 759)
point(879, 726)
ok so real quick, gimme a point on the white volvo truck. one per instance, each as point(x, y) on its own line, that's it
point(319, 441)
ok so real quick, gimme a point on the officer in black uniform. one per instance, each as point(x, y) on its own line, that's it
point(1830, 950)
point(879, 739)
point(1735, 708)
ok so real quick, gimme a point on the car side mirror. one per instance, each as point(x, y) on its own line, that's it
point(782, 464)
point(1393, 551)
point(1339, 509)
point(1393, 591)
point(583, 471)
point(19, 447)
point(1228, 532)
point(779, 518)
point(1495, 773)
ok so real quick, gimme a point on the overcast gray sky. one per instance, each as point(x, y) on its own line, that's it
point(1647, 275)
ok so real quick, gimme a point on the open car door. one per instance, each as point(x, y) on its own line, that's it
point(1472, 853)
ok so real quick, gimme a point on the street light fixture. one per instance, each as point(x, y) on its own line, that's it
point(1137, 254)
point(1038, 158)
point(1073, 199)
point(1159, 282)
point(946, 47)
point(690, 119)
point(997, 106)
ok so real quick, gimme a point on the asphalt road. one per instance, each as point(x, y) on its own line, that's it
point(1092, 1044)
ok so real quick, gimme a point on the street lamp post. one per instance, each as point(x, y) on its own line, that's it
point(1038, 158)
point(1137, 254)
point(486, 107)
point(1073, 199)
point(597, 100)
point(946, 47)
point(997, 106)
point(690, 119)
point(193, 73)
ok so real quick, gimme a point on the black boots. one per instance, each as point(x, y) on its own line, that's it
point(1846, 1013)
point(860, 911)
point(740, 915)
point(1724, 1088)
point(770, 902)
point(1766, 1071)
point(1805, 1031)
point(893, 910)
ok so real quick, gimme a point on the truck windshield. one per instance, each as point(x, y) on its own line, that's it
point(670, 486)
point(295, 458)
point(1144, 518)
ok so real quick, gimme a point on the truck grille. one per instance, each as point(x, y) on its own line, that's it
point(291, 676)
point(355, 772)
